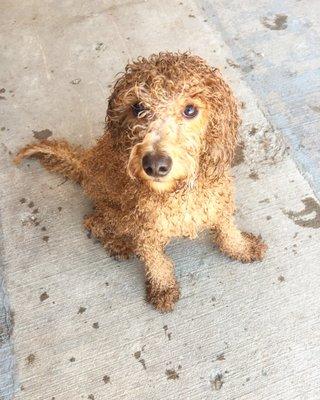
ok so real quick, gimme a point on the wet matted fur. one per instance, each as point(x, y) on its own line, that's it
point(175, 106)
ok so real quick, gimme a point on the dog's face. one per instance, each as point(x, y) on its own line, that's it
point(160, 113)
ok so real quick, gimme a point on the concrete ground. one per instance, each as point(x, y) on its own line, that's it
point(73, 322)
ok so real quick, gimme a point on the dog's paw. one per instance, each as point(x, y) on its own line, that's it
point(163, 300)
point(254, 248)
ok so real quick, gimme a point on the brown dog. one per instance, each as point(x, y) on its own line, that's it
point(161, 169)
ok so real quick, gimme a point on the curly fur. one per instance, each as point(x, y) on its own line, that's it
point(136, 214)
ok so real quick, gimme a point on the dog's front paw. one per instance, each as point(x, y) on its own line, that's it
point(162, 299)
point(254, 248)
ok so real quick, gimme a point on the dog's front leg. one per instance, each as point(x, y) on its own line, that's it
point(239, 245)
point(161, 286)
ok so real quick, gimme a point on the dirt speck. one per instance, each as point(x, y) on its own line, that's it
point(91, 397)
point(172, 374)
point(3, 128)
point(220, 357)
point(239, 155)
point(75, 81)
point(22, 200)
point(72, 359)
point(95, 325)
point(42, 135)
point(277, 22)
point(35, 211)
point(59, 209)
point(191, 16)
point(30, 359)
point(44, 296)
point(268, 217)
point(137, 355)
point(253, 131)
point(31, 204)
point(281, 278)
point(81, 310)
point(99, 46)
point(45, 239)
point(254, 175)
point(312, 209)
point(232, 63)
point(217, 382)
point(106, 379)
point(264, 201)
point(167, 334)
point(43, 229)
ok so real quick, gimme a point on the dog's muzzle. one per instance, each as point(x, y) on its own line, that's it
point(156, 165)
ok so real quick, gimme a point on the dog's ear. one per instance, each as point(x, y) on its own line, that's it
point(221, 136)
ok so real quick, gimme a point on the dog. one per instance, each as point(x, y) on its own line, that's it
point(162, 167)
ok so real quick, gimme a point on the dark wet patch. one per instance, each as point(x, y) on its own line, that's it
point(95, 325)
point(276, 23)
point(41, 135)
point(281, 278)
point(106, 379)
point(167, 334)
point(72, 359)
point(172, 374)
point(232, 63)
point(99, 46)
point(254, 176)
point(81, 310)
point(44, 296)
point(239, 155)
point(217, 382)
point(253, 131)
point(220, 357)
point(315, 108)
point(137, 356)
point(75, 81)
point(30, 359)
point(45, 238)
point(310, 206)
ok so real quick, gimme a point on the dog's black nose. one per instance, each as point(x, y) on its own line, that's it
point(156, 164)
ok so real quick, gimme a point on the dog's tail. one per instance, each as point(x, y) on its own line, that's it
point(56, 156)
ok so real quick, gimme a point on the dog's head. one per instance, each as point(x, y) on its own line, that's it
point(173, 118)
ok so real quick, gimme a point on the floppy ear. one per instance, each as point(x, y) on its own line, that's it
point(221, 136)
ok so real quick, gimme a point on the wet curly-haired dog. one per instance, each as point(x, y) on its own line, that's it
point(161, 169)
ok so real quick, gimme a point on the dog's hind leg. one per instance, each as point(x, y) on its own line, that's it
point(161, 286)
point(56, 156)
point(118, 246)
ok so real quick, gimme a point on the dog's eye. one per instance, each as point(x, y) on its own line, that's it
point(190, 111)
point(137, 108)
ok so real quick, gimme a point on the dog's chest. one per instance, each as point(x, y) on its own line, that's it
point(188, 214)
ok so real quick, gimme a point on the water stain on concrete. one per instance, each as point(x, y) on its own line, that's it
point(44, 296)
point(217, 382)
point(311, 206)
point(239, 155)
point(172, 374)
point(277, 22)
point(254, 176)
point(41, 135)
point(30, 359)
